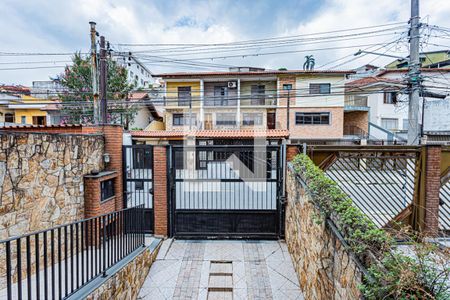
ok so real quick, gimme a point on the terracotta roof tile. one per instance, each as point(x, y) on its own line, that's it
point(237, 134)
point(371, 80)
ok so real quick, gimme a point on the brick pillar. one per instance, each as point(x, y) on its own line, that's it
point(113, 146)
point(160, 189)
point(291, 152)
point(432, 188)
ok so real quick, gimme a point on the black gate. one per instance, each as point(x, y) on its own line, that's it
point(226, 192)
point(138, 181)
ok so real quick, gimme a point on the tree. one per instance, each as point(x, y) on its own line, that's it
point(78, 99)
point(309, 63)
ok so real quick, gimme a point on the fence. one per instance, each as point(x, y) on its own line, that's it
point(58, 262)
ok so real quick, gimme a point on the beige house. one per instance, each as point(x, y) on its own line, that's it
point(257, 99)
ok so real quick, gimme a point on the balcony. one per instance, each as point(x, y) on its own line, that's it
point(356, 103)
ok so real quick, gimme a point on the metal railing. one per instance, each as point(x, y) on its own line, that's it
point(55, 263)
point(380, 180)
point(353, 100)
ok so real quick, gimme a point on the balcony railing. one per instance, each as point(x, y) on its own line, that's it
point(57, 262)
point(352, 100)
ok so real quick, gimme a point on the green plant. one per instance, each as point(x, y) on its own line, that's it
point(424, 273)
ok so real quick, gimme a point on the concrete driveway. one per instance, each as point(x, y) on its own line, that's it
point(222, 270)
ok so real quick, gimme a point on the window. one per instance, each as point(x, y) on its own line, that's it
point(225, 119)
point(9, 118)
point(138, 185)
point(107, 189)
point(252, 119)
point(184, 95)
point(319, 88)
point(390, 98)
point(183, 119)
point(258, 93)
point(221, 95)
point(39, 120)
point(389, 123)
point(287, 86)
point(312, 118)
point(23, 120)
point(405, 124)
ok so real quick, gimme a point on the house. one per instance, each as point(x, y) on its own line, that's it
point(18, 107)
point(138, 74)
point(146, 112)
point(432, 59)
point(46, 89)
point(387, 97)
point(306, 104)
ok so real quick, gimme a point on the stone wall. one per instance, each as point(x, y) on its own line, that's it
point(127, 282)
point(41, 179)
point(324, 268)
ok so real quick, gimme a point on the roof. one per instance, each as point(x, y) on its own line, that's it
point(370, 81)
point(252, 73)
point(138, 95)
point(29, 126)
point(230, 134)
point(15, 89)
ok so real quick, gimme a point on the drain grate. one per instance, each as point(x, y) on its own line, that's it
point(220, 283)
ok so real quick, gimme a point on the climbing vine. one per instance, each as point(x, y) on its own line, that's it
point(421, 273)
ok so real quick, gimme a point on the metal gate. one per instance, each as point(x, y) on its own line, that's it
point(138, 181)
point(226, 192)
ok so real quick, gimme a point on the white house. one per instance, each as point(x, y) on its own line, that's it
point(387, 99)
point(138, 73)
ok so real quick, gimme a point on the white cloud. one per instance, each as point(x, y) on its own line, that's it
point(62, 26)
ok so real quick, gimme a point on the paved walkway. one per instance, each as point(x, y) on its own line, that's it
point(222, 270)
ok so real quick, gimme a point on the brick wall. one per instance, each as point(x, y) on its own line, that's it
point(93, 206)
point(432, 188)
point(291, 152)
point(332, 131)
point(160, 189)
point(65, 129)
point(358, 119)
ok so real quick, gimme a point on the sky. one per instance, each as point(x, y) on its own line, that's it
point(55, 26)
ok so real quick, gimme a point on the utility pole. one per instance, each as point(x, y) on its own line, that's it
point(103, 83)
point(288, 110)
point(94, 71)
point(414, 77)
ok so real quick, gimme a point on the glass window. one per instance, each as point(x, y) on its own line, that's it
point(107, 189)
point(184, 95)
point(258, 93)
point(405, 124)
point(23, 120)
point(389, 123)
point(183, 119)
point(252, 119)
point(319, 88)
point(390, 98)
point(9, 118)
point(312, 118)
point(287, 86)
point(221, 95)
point(225, 119)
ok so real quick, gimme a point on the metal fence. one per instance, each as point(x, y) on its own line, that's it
point(444, 207)
point(57, 262)
point(379, 181)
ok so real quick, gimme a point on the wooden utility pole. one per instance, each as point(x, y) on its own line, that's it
point(414, 77)
point(103, 82)
point(94, 71)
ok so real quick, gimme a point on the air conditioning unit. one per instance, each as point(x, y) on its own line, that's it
point(232, 84)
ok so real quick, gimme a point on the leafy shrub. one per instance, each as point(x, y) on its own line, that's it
point(422, 274)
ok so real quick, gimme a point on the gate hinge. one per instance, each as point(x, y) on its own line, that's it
point(283, 200)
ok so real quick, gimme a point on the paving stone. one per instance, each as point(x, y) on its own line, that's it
point(221, 268)
point(220, 295)
point(220, 281)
